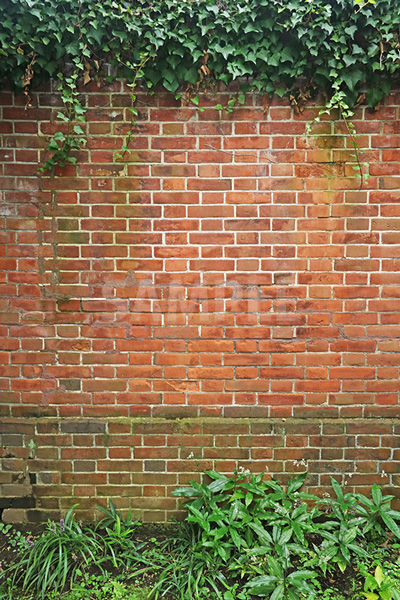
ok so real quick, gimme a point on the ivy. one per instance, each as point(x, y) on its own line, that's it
point(62, 143)
point(343, 47)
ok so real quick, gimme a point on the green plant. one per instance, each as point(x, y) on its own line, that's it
point(116, 535)
point(16, 539)
point(289, 509)
point(116, 520)
point(281, 583)
point(356, 520)
point(245, 523)
point(63, 142)
point(190, 573)
point(97, 588)
point(343, 507)
point(338, 547)
point(380, 585)
point(58, 556)
point(376, 513)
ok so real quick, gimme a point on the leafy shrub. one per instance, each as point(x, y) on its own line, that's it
point(278, 541)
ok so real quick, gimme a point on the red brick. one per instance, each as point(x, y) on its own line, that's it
point(232, 282)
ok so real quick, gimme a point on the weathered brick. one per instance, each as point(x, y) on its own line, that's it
point(225, 290)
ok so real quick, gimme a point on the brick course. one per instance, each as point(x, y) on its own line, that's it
point(228, 267)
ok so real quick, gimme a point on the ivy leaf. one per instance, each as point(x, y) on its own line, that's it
point(251, 27)
point(287, 54)
point(171, 86)
point(62, 117)
point(59, 136)
point(53, 146)
point(274, 60)
point(96, 35)
point(352, 78)
point(122, 35)
point(350, 30)
point(349, 60)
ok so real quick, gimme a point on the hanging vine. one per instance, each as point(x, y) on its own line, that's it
point(343, 47)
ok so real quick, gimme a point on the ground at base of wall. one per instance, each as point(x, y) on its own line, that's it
point(243, 537)
point(114, 585)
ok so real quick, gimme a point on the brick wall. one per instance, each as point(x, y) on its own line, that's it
point(226, 291)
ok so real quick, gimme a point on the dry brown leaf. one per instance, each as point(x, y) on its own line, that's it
point(27, 77)
point(86, 75)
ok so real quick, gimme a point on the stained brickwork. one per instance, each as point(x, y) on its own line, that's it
point(228, 267)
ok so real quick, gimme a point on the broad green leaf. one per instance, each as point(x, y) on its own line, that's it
point(391, 524)
point(376, 494)
point(278, 593)
point(296, 483)
point(262, 585)
point(217, 485)
point(301, 574)
point(337, 489)
point(237, 540)
point(248, 499)
point(353, 77)
point(379, 576)
point(186, 491)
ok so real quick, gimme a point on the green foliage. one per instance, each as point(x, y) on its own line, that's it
point(339, 547)
point(116, 534)
point(381, 586)
point(97, 588)
point(113, 518)
point(16, 540)
point(243, 536)
point(57, 556)
point(251, 526)
point(62, 143)
point(343, 47)
point(340, 45)
point(373, 516)
point(376, 514)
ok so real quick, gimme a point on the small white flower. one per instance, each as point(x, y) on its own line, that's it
point(243, 471)
point(298, 463)
point(191, 455)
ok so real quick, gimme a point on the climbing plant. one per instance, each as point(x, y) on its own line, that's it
point(349, 49)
